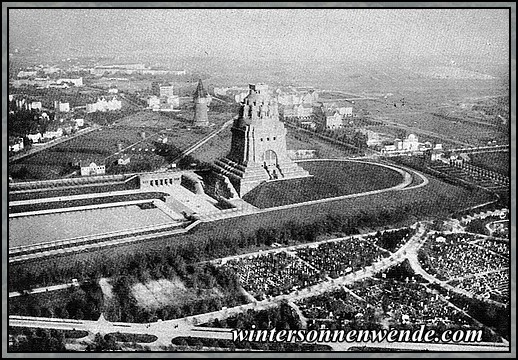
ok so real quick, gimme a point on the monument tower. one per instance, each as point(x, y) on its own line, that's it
point(201, 103)
point(258, 148)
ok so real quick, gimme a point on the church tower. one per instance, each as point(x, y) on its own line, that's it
point(258, 148)
point(201, 103)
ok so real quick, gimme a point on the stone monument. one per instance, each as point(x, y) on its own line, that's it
point(258, 149)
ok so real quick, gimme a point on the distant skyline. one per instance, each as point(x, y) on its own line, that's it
point(373, 35)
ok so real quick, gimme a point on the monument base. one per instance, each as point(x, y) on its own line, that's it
point(246, 177)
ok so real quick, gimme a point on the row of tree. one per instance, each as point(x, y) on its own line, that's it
point(23, 122)
point(204, 248)
point(76, 303)
point(38, 341)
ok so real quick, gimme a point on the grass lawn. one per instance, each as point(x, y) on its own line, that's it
point(330, 179)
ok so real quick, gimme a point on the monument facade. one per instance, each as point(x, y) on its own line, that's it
point(258, 148)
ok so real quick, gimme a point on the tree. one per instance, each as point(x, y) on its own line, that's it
point(106, 343)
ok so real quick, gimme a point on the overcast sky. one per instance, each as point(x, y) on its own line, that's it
point(321, 34)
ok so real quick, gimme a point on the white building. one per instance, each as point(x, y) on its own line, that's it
point(166, 90)
point(75, 82)
point(310, 97)
point(334, 120)
point(35, 105)
point(436, 155)
point(406, 146)
point(79, 122)
point(53, 133)
point(346, 111)
point(24, 74)
point(153, 102)
point(303, 110)
point(168, 103)
point(35, 138)
point(90, 168)
point(411, 143)
point(302, 154)
point(15, 144)
point(373, 138)
point(123, 160)
point(61, 107)
point(103, 105)
point(308, 124)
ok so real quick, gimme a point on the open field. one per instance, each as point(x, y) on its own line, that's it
point(411, 100)
point(181, 119)
point(298, 140)
point(156, 294)
point(147, 152)
point(151, 119)
point(57, 160)
point(122, 85)
point(215, 148)
point(463, 132)
point(330, 179)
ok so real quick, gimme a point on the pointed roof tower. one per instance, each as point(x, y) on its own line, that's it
point(200, 90)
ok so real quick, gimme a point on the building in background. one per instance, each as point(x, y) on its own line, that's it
point(79, 122)
point(201, 106)
point(91, 168)
point(36, 105)
point(54, 131)
point(411, 143)
point(61, 107)
point(104, 105)
point(76, 82)
point(15, 144)
point(167, 90)
point(333, 119)
point(346, 111)
point(124, 159)
point(34, 137)
point(153, 103)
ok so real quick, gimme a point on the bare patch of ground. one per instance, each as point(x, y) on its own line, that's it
point(156, 294)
